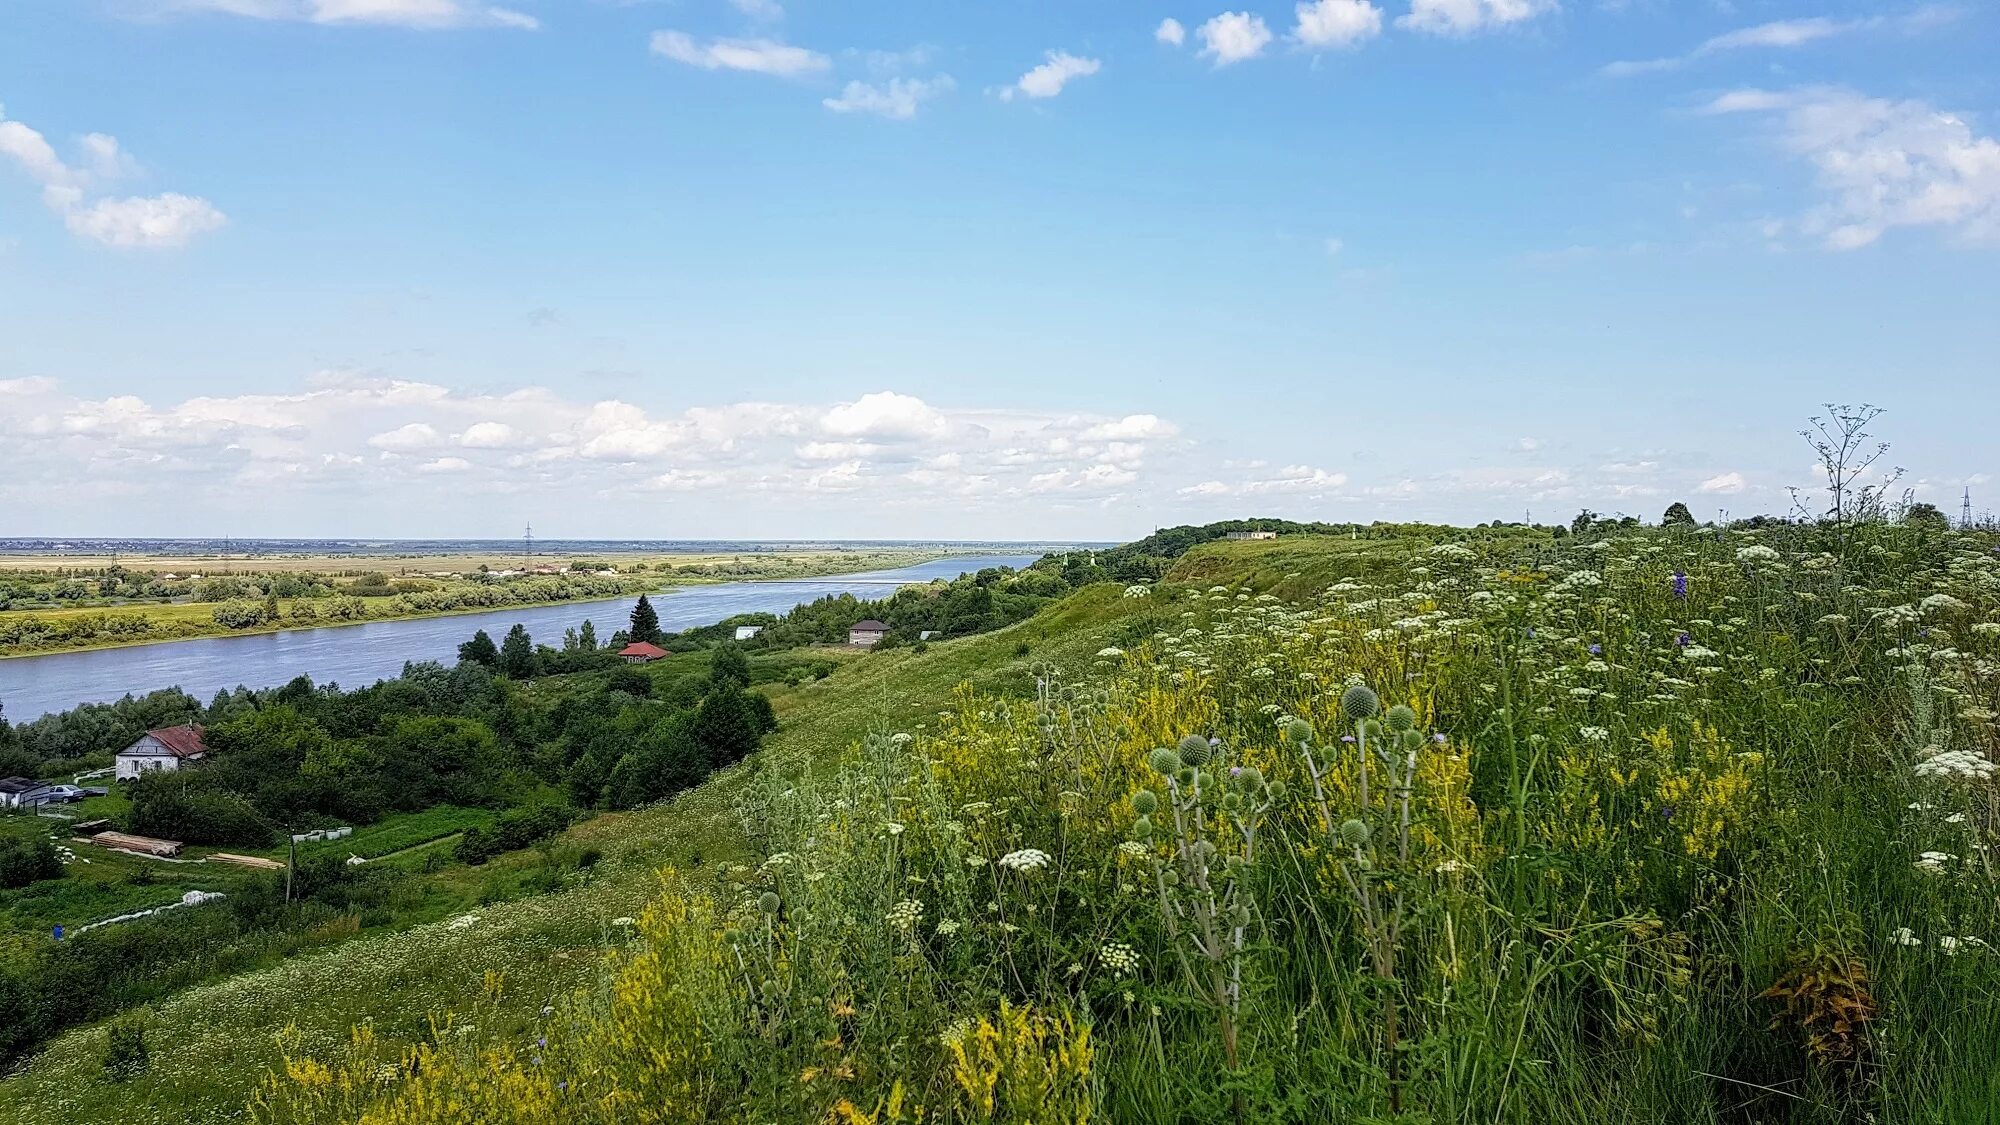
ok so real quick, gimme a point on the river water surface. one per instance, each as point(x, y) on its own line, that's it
point(357, 655)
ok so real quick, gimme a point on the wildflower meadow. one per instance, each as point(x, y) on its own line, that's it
point(1668, 825)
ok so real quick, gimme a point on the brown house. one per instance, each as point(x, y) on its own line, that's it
point(639, 652)
point(867, 634)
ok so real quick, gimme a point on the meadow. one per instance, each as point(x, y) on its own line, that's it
point(1681, 825)
point(1676, 825)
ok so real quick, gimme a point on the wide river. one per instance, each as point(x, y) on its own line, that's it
point(356, 655)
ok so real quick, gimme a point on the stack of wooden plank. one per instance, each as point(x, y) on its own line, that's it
point(257, 862)
point(144, 845)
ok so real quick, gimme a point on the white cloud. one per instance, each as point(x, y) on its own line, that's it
point(837, 450)
point(151, 222)
point(1048, 79)
point(759, 56)
point(488, 435)
point(1778, 35)
point(898, 98)
point(1337, 23)
point(406, 439)
point(885, 415)
point(1465, 17)
point(1206, 488)
point(420, 14)
point(1170, 32)
point(1132, 427)
point(768, 11)
point(1881, 164)
point(1725, 484)
point(1233, 37)
point(445, 465)
point(142, 222)
point(1303, 479)
point(1334, 246)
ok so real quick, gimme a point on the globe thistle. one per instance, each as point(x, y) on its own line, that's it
point(1400, 718)
point(1164, 761)
point(1359, 702)
point(768, 902)
point(1194, 750)
point(1145, 803)
point(1298, 730)
point(1354, 832)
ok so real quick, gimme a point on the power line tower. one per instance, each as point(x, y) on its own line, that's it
point(528, 544)
point(1965, 511)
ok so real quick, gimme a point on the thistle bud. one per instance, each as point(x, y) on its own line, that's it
point(1413, 739)
point(768, 902)
point(1251, 779)
point(1142, 829)
point(1277, 791)
point(1298, 730)
point(1170, 877)
point(1354, 832)
point(1164, 761)
point(733, 936)
point(1145, 803)
point(1359, 702)
point(1232, 801)
point(1206, 849)
point(1194, 750)
point(1400, 718)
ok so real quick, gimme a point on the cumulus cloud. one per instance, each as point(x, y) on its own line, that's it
point(897, 99)
point(1727, 484)
point(767, 11)
point(1048, 79)
point(1170, 32)
point(1881, 163)
point(1468, 17)
point(1336, 23)
point(75, 192)
point(759, 56)
point(421, 14)
point(364, 438)
point(1233, 37)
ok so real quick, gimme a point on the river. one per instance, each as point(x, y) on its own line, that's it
point(356, 655)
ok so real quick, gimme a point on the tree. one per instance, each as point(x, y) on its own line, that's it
point(517, 654)
point(586, 637)
point(728, 665)
point(1677, 516)
point(271, 606)
point(480, 650)
point(645, 622)
point(726, 726)
point(1921, 514)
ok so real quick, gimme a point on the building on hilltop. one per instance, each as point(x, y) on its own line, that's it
point(866, 634)
point(639, 652)
point(745, 632)
point(1249, 535)
point(168, 748)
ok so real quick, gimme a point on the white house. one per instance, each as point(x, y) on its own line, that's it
point(867, 634)
point(1250, 535)
point(745, 632)
point(168, 748)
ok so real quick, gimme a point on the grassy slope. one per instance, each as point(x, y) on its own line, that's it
point(211, 1045)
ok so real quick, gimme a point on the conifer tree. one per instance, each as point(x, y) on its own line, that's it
point(480, 650)
point(645, 622)
point(517, 654)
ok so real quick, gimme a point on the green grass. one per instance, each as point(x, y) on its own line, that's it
point(213, 1044)
point(400, 832)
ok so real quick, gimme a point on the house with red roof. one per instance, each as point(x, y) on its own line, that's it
point(168, 748)
point(639, 652)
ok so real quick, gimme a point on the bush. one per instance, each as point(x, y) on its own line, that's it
point(175, 809)
point(516, 829)
point(125, 1053)
point(24, 861)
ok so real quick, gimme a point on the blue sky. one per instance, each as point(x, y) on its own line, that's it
point(702, 267)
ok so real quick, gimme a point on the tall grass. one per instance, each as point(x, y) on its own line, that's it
point(1697, 829)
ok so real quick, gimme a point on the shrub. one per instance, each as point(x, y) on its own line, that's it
point(516, 829)
point(125, 1053)
point(24, 861)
